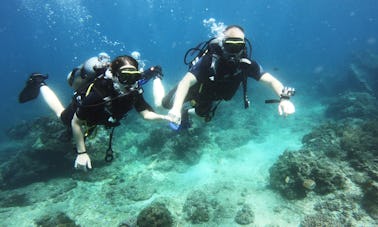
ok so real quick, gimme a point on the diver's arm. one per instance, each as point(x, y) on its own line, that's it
point(52, 100)
point(82, 159)
point(285, 107)
point(272, 82)
point(181, 92)
point(155, 73)
point(158, 91)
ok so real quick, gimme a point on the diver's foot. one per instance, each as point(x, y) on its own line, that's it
point(37, 79)
point(31, 89)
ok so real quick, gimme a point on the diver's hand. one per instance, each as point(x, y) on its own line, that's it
point(286, 107)
point(153, 72)
point(174, 117)
point(165, 117)
point(83, 162)
point(158, 71)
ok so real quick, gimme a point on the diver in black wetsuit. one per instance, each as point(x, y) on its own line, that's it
point(105, 101)
point(216, 74)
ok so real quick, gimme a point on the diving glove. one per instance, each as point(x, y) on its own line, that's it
point(153, 72)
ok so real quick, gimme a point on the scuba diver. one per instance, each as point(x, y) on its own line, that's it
point(103, 101)
point(215, 74)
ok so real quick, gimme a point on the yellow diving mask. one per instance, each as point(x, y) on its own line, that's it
point(128, 75)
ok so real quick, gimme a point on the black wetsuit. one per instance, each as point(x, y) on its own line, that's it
point(100, 103)
point(222, 86)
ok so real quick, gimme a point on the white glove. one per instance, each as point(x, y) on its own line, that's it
point(286, 107)
point(83, 161)
point(174, 117)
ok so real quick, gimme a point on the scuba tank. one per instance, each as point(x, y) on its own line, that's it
point(88, 71)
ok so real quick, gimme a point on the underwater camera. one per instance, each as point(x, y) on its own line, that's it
point(286, 93)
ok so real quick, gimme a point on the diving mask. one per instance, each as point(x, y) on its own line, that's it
point(128, 75)
point(233, 46)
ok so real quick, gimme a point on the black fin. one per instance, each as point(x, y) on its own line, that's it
point(31, 89)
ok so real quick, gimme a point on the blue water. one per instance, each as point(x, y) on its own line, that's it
point(296, 37)
point(297, 41)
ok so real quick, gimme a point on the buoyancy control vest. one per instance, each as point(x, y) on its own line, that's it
point(214, 48)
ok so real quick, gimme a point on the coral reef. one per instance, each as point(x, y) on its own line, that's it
point(14, 200)
point(155, 215)
point(332, 155)
point(361, 105)
point(185, 145)
point(43, 154)
point(210, 204)
point(45, 151)
point(341, 206)
point(165, 144)
point(197, 207)
point(293, 171)
point(370, 198)
point(245, 215)
point(58, 219)
point(346, 148)
point(140, 188)
point(239, 130)
point(319, 220)
point(360, 143)
point(36, 193)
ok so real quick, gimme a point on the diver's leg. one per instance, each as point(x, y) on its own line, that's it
point(167, 101)
point(35, 85)
point(203, 110)
point(158, 92)
point(196, 115)
point(52, 100)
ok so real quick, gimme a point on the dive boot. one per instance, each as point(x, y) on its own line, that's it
point(31, 89)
